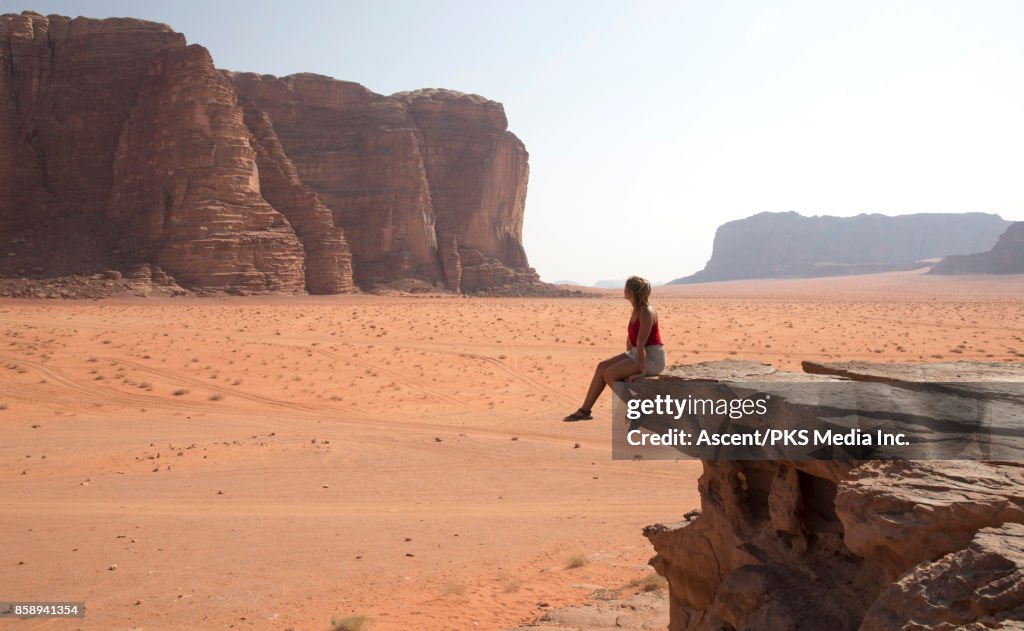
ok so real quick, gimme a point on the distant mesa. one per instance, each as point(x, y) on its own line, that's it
point(127, 157)
point(567, 282)
point(1005, 257)
point(790, 245)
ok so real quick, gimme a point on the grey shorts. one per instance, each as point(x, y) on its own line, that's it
point(655, 358)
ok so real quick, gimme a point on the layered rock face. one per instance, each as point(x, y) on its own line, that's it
point(789, 245)
point(871, 545)
point(359, 151)
point(328, 259)
point(127, 151)
point(1005, 257)
point(478, 173)
point(407, 176)
point(67, 88)
point(186, 187)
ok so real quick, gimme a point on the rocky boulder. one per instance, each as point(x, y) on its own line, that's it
point(846, 545)
point(977, 587)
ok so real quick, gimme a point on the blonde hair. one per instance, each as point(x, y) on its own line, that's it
point(641, 288)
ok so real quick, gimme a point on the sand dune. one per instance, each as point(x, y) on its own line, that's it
point(271, 462)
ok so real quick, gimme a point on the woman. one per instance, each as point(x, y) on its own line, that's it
point(645, 354)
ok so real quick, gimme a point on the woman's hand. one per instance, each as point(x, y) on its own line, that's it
point(635, 376)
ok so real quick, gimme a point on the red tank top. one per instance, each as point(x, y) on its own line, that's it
point(634, 329)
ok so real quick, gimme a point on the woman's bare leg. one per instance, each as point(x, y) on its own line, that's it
point(598, 382)
point(620, 370)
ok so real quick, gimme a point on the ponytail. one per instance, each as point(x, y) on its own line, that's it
point(641, 288)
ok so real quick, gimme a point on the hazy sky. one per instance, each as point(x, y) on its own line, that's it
point(649, 124)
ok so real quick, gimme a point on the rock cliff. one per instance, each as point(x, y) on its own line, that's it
point(478, 171)
point(870, 545)
point(789, 245)
point(186, 190)
point(428, 185)
point(1005, 257)
point(124, 151)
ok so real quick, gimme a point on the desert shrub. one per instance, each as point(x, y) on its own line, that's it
point(576, 561)
point(349, 623)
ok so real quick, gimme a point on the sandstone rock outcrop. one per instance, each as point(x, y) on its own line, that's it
point(964, 370)
point(478, 173)
point(360, 152)
point(847, 545)
point(451, 262)
point(1005, 257)
point(328, 258)
point(122, 148)
point(405, 174)
point(186, 187)
point(977, 587)
point(726, 370)
point(789, 245)
point(67, 88)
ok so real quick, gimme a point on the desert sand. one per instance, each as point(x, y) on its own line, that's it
point(271, 462)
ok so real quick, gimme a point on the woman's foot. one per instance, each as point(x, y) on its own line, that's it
point(581, 414)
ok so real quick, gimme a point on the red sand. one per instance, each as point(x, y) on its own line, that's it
point(271, 462)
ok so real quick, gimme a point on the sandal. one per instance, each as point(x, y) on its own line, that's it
point(579, 415)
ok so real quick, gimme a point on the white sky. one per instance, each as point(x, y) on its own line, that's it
point(649, 124)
